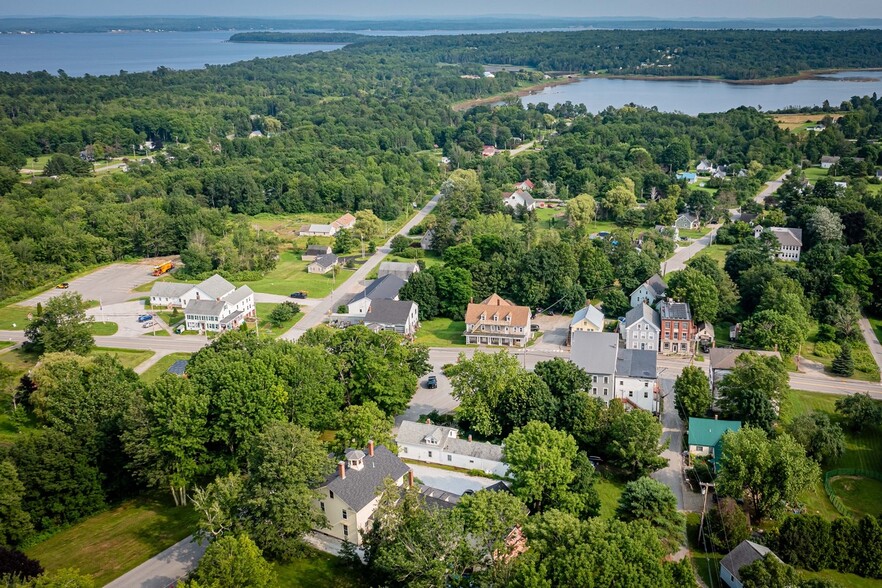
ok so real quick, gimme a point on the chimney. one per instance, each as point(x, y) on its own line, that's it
point(470, 437)
point(410, 478)
point(371, 448)
point(341, 470)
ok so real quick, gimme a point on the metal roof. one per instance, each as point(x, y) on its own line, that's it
point(643, 311)
point(385, 288)
point(595, 352)
point(591, 313)
point(708, 432)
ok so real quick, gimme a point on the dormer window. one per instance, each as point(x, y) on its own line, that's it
point(495, 316)
point(508, 318)
point(483, 316)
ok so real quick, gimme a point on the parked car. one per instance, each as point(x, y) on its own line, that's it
point(63, 286)
point(145, 317)
point(148, 324)
point(180, 329)
point(534, 327)
point(300, 294)
point(431, 382)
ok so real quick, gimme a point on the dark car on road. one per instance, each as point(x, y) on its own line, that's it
point(144, 318)
point(431, 382)
point(298, 295)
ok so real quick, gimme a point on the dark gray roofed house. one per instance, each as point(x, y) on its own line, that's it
point(323, 264)
point(401, 316)
point(636, 363)
point(385, 288)
point(204, 307)
point(314, 251)
point(745, 554)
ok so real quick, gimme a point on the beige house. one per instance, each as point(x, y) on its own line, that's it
point(496, 321)
point(323, 264)
point(589, 319)
point(350, 496)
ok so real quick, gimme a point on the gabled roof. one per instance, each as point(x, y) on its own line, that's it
point(169, 289)
point(745, 554)
point(830, 159)
point(636, 363)
point(238, 295)
point(787, 236)
point(317, 229)
point(523, 195)
point(656, 285)
point(446, 439)
point(596, 353)
point(525, 185)
point(398, 267)
point(216, 287)
point(359, 487)
point(643, 311)
point(385, 288)
point(590, 313)
point(326, 260)
point(708, 432)
point(389, 312)
point(495, 304)
point(722, 358)
point(436, 498)
point(318, 250)
point(689, 217)
point(347, 220)
point(205, 307)
point(674, 310)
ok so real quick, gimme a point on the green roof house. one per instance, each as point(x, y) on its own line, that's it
point(705, 436)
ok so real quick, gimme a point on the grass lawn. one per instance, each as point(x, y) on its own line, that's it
point(130, 358)
point(876, 323)
point(290, 275)
point(316, 568)
point(812, 174)
point(4, 344)
point(609, 492)
point(860, 347)
point(849, 580)
point(707, 565)
point(15, 315)
point(266, 328)
point(547, 215)
point(113, 542)
point(431, 258)
point(603, 226)
point(104, 329)
point(441, 332)
point(694, 233)
point(161, 366)
point(716, 252)
point(861, 495)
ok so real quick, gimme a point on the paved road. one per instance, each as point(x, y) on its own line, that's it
point(165, 568)
point(872, 340)
point(315, 315)
point(771, 187)
point(684, 254)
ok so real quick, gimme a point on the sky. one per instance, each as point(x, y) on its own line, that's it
point(441, 8)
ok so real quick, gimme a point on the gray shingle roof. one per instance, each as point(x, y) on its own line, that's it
point(205, 307)
point(178, 368)
point(169, 289)
point(398, 268)
point(359, 487)
point(318, 250)
point(590, 312)
point(385, 288)
point(722, 358)
point(674, 310)
point(413, 433)
point(436, 498)
point(745, 554)
point(787, 236)
point(640, 312)
point(239, 294)
point(474, 449)
point(595, 352)
point(326, 260)
point(389, 312)
point(657, 285)
point(636, 363)
point(216, 286)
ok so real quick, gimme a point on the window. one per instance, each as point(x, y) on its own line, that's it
point(645, 394)
point(346, 530)
point(699, 448)
point(322, 506)
point(621, 383)
point(449, 457)
point(606, 379)
point(331, 493)
point(646, 384)
point(594, 379)
point(430, 454)
point(606, 391)
point(630, 394)
point(345, 514)
point(594, 391)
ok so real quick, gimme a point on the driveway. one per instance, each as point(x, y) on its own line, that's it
point(164, 569)
point(554, 329)
point(771, 187)
point(110, 285)
point(447, 480)
point(684, 254)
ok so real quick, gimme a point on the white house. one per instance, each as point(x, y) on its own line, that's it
point(173, 294)
point(526, 186)
point(436, 444)
point(314, 251)
point(223, 314)
point(745, 554)
point(705, 167)
point(828, 161)
point(317, 230)
point(789, 241)
point(519, 198)
point(649, 291)
point(385, 288)
point(427, 240)
point(350, 496)
point(347, 221)
point(624, 374)
point(400, 316)
point(641, 328)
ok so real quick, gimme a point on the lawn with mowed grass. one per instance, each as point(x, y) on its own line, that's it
point(609, 493)
point(861, 495)
point(315, 568)
point(717, 252)
point(109, 544)
point(824, 353)
point(130, 358)
point(441, 332)
point(290, 275)
point(15, 317)
point(160, 367)
point(694, 233)
point(266, 327)
point(103, 329)
point(843, 580)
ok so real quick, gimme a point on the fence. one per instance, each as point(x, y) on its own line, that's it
point(828, 487)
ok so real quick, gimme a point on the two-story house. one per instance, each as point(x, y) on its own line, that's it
point(649, 292)
point(637, 378)
point(628, 375)
point(519, 198)
point(677, 333)
point(174, 294)
point(789, 241)
point(349, 497)
point(400, 316)
point(496, 321)
point(589, 318)
point(223, 314)
point(641, 328)
point(385, 288)
point(436, 444)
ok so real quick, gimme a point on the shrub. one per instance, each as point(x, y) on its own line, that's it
point(728, 525)
point(826, 349)
point(283, 312)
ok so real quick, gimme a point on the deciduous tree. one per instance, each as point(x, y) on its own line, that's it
point(234, 561)
point(63, 326)
point(692, 393)
point(15, 522)
point(649, 500)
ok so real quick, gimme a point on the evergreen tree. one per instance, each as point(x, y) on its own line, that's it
point(843, 365)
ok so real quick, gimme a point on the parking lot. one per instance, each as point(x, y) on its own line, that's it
point(447, 480)
point(110, 285)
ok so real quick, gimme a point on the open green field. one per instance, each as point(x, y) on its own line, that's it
point(694, 233)
point(316, 568)
point(5, 344)
point(844, 580)
point(109, 544)
point(160, 367)
point(441, 332)
point(290, 275)
point(552, 218)
point(603, 226)
point(266, 328)
point(609, 493)
point(862, 495)
point(716, 252)
point(130, 358)
point(15, 317)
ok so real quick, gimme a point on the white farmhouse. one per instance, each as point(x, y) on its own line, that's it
point(649, 292)
point(519, 198)
point(641, 328)
point(178, 295)
point(436, 444)
point(789, 241)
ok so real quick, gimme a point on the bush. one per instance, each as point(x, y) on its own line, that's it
point(412, 253)
point(827, 349)
point(863, 360)
point(283, 312)
point(805, 541)
point(16, 563)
